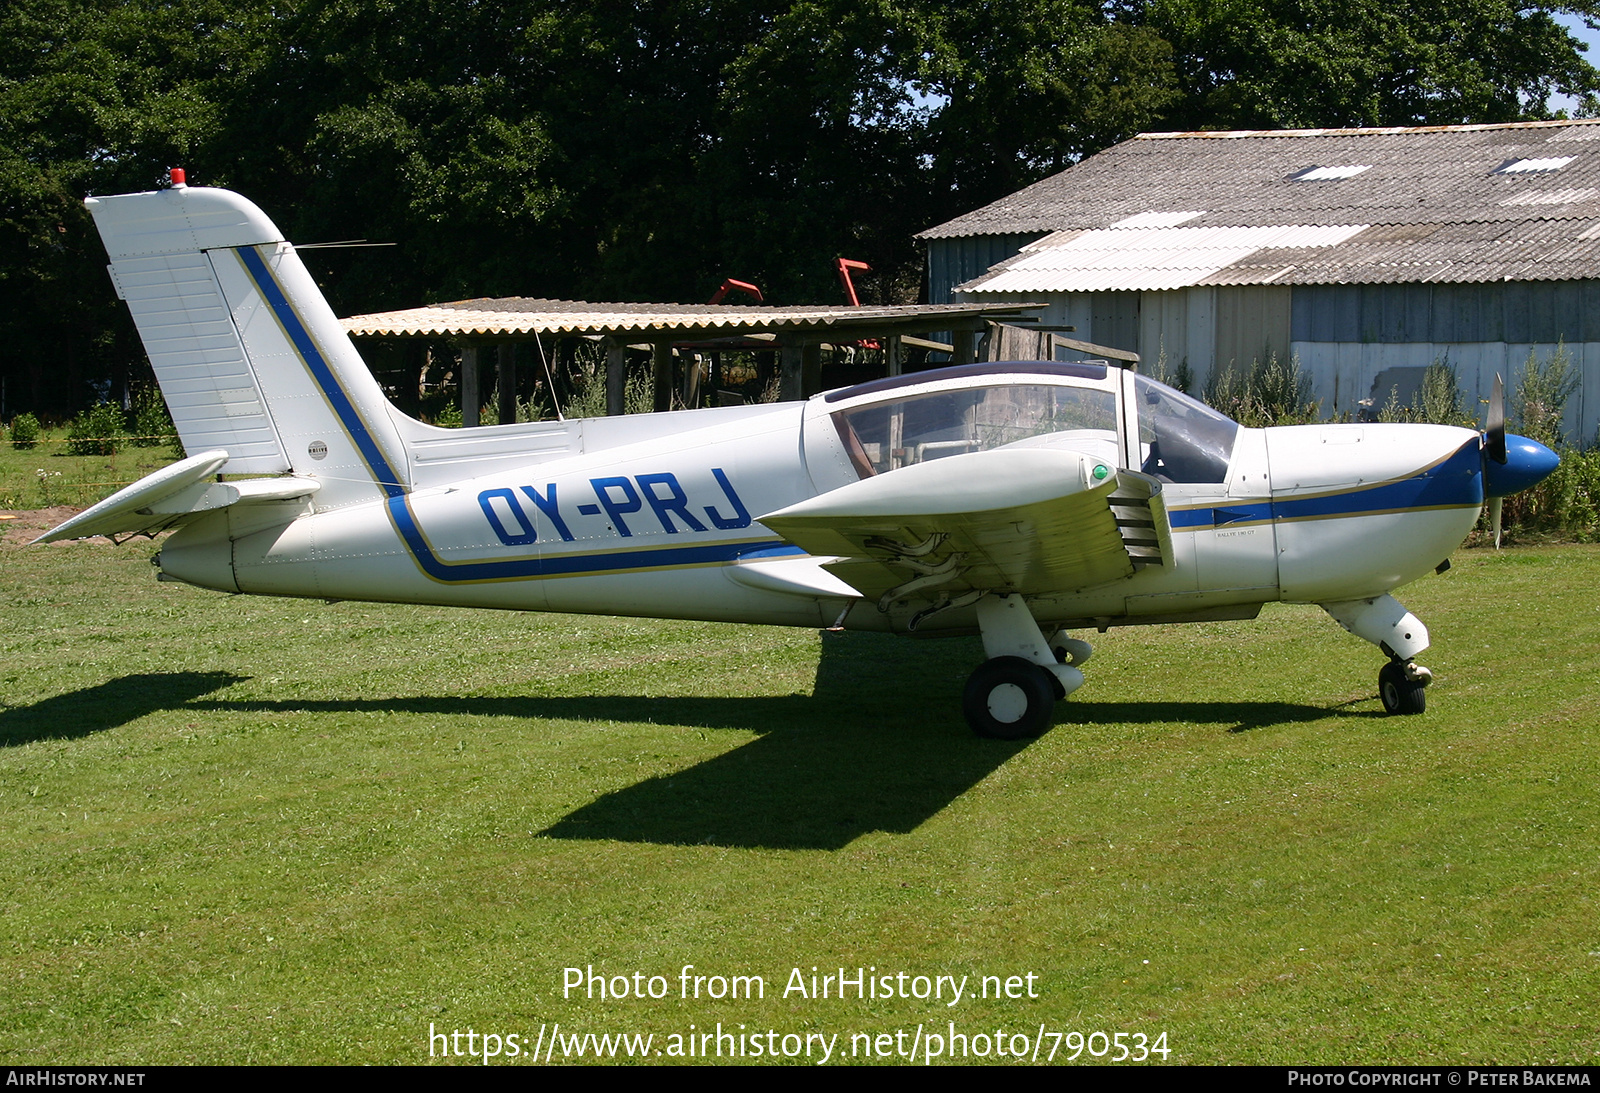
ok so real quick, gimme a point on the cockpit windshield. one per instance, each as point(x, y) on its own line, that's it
point(890, 435)
point(1180, 439)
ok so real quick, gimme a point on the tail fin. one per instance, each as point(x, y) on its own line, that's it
point(249, 356)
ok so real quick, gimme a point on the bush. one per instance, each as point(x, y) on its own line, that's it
point(98, 431)
point(1567, 504)
point(1269, 392)
point(24, 431)
point(152, 425)
point(1539, 401)
point(1436, 402)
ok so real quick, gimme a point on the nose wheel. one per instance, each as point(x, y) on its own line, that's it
point(1401, 687)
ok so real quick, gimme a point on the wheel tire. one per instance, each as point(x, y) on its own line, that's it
point(1009, 698)
point(1399, 694)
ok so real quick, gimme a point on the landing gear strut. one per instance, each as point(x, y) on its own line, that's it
point(1013, 694)
point(1389, 626)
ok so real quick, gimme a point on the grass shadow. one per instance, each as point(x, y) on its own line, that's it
point(879, 744)
point(1237, 716)
point(107, 706)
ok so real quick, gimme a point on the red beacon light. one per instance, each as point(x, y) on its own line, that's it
point(176, 176)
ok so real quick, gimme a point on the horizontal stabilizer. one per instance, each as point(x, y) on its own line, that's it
point(174, 496)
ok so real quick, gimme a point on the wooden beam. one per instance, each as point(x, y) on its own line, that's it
point(506, 383)
point(691, 380)
point(1127, 356)
point(961, 343)
point(616, 377)
point(661, 374)
point(791, 372)
point(810, 369)
point(471, 402)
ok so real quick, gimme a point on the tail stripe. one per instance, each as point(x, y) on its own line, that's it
point(306, 346)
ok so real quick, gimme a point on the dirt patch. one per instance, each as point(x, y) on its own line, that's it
point(19, 527)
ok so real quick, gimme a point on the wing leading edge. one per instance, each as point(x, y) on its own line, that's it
point(1012, 520)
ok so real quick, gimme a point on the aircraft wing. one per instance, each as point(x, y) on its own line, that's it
point(173, 496)
point(1025, 520)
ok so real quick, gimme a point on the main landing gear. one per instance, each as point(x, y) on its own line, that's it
point(1012, 695)
point(1384, 622)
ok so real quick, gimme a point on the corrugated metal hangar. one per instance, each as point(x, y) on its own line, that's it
point(1365, 253)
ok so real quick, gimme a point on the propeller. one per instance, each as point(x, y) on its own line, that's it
point(1494, 431)
point(1494, 447)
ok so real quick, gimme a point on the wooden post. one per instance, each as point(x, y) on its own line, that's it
point(810, 369)
point(691, 380)
point(961, 343)
point(661, 374)
point(616, 376)
point(791, 372)
point(470, 399)
point(506, 383)
point(894, 354)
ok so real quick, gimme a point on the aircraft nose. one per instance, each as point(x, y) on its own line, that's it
point(1527, 464)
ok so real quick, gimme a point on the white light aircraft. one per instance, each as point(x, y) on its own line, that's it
point(1019, 501)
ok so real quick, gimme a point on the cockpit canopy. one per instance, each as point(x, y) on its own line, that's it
point(974, 408)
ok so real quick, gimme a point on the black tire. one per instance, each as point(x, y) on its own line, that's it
point(1399, 694)
point(1009, 698)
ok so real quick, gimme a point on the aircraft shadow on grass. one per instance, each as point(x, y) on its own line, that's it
point(875, 747)
point(106, 706)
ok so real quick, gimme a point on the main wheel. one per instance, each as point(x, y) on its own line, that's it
point(1009, 698)
point(1399, 694)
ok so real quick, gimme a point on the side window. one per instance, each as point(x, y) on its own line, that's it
point(1181, 440)
point(897, 434)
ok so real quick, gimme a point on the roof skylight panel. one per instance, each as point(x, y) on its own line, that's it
point(1532, 166)
point(1329, 174)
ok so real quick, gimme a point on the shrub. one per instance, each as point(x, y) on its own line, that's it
point(1539, 401)
point(152, 425)
point(1565, 504)
point(1269, 392)
point(24, 431)
point(97, 431)
point(1437, 400)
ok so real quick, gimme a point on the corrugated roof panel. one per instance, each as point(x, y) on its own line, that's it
point(1329, 174)
point(524, 315)
point(1533, 166)
point(1156, 220)
point(1434, 210)
point(1150, 258)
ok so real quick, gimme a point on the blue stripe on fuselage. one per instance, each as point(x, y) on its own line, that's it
point(398, 503)
point(1454, 482)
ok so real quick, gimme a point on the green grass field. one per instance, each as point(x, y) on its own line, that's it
point(47, 474)
point(249, 830)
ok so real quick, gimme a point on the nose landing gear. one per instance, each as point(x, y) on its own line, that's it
point(1401, 687)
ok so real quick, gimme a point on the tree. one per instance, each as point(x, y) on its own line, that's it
point(94, 97)
point(646, 149)
point(1268, 64)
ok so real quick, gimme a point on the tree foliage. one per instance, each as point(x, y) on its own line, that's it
point(647, 149)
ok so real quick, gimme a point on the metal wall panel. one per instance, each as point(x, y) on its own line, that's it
point(1513, 311)
point(959, 259)
point(1342, 373)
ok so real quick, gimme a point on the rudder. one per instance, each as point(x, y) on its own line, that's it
point(248, 354)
